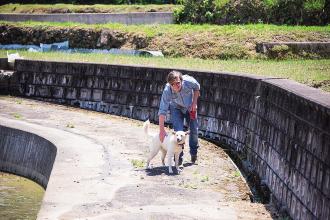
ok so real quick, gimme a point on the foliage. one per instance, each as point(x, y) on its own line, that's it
point(279, 51)
point(138, 163)
point(292, 12)
point(233, 51)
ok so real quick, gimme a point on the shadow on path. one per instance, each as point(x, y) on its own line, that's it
point(157, 171)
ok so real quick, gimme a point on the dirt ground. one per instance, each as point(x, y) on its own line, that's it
point(211, 189)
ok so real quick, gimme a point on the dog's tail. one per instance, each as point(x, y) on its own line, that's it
point(146, 125)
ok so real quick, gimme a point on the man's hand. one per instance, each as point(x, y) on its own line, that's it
point(162, 134)
point(193, 108)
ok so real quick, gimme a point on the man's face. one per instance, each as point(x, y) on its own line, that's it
point(176, 85)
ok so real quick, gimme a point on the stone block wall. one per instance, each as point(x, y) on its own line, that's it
point(292, 146)
point(7, 80)
point(26, 154)
point(279, 129)
point(4, 64)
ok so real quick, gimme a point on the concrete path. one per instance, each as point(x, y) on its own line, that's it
point(99, 170)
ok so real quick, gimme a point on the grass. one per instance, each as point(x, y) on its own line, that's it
point(304, 71)
point(17, 115)
point(204, 178)
point(99, 8)
point(69, 125)
point(191, 186)
point(138, 163)
point(262, 31)
point(237, 174)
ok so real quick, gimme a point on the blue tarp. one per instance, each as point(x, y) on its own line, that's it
point(18, 47)
point(64, 47)
point(55, 46)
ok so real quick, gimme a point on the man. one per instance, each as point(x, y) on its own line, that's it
point(180, 96)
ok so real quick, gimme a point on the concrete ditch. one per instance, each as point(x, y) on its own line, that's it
point(97, 173)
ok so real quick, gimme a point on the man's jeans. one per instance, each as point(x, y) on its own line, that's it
point(177, 118)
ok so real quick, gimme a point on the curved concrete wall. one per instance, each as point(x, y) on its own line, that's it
point(96, 18)
point(26, 154)
point(278, 128)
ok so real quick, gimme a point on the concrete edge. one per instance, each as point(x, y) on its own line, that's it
point(314, 95)
point(35, 161)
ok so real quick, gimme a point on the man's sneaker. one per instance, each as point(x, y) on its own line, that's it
point(193, 158)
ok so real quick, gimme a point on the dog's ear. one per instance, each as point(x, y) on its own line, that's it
point(173, 132)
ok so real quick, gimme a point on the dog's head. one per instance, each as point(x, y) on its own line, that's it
point(180, 136)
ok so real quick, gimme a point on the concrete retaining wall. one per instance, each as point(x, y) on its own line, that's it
point(278, 128)
point(99, 18)
point(26, 154)
point(4, 64)
point(320, 48)
point(7, 81)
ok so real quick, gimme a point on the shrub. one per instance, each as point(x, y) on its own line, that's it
point(292, 12)
point(280, 52)
point(233, 51)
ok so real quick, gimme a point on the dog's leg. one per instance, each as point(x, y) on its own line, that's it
point(152, 154)
point(176, 159)
point(169, 161)
point(163, 156)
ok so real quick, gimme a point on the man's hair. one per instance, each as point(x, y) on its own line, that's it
point(173, 75)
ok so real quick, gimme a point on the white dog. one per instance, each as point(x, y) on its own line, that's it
point(173, 145)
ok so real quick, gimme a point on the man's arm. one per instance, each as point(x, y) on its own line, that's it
point(195, 99)
point(163, 108)
point(162, 132)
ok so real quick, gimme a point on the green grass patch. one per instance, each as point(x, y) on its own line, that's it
point(138, 163)
point(190, 186)
point(17, 115)
point(70, 8)
point(69, 125)
point(304, 71)
point(204, 179)
point(236, 174)
point(262, 32)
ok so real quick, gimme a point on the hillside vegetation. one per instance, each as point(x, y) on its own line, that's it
point(195, 41)
point(292, 12)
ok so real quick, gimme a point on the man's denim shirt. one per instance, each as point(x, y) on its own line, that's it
point(181, 100)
